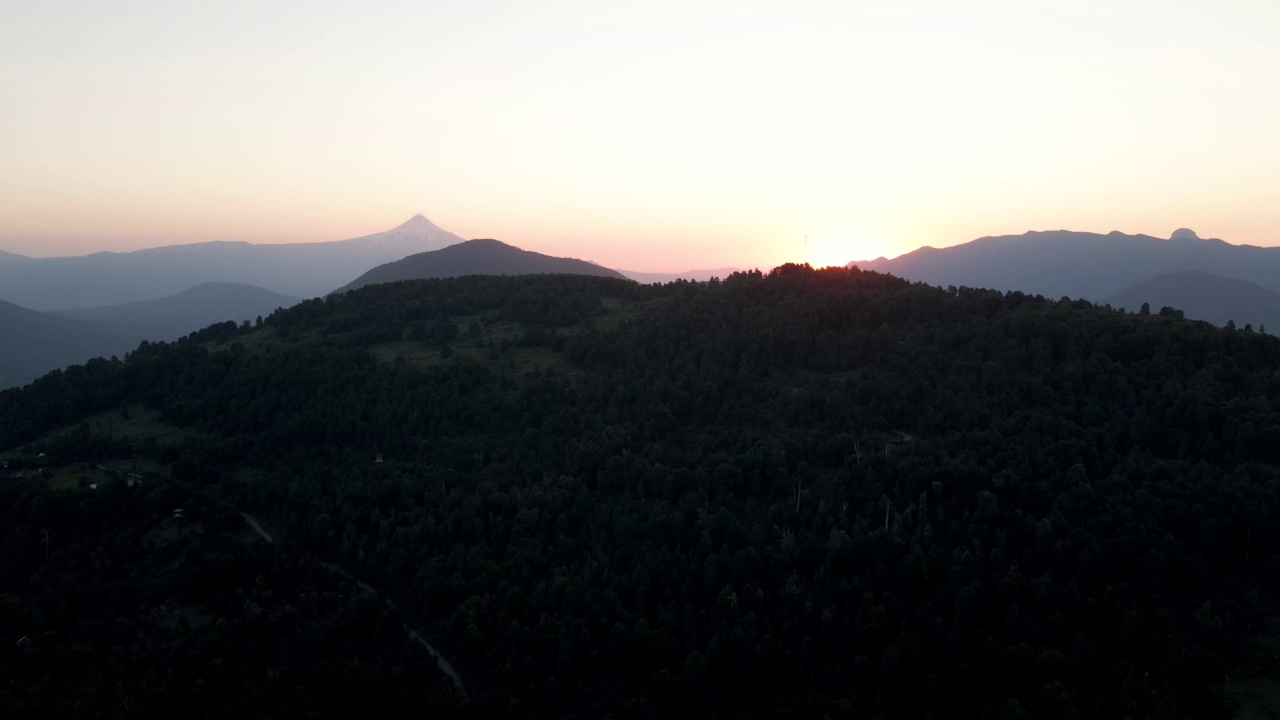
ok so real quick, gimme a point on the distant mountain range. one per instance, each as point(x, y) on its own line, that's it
point(1076, 264)
point(1204, 296)
point(645, 278)
point(477, 257)
point(35, 343)
point(1207, 279)
point(120, 299)
point(178, 315)
point(295, 270)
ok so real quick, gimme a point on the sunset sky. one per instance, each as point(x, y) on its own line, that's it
point(643, 135)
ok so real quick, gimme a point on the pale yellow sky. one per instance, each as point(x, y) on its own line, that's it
point(649, 136)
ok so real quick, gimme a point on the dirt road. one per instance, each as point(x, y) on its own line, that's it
point(443, 663)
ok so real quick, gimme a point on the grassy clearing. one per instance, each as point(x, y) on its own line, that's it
point(248, 475)
point(492, 331)
point(527, 360)
point(265, 339)
point(171, 616)
point(516, 361)
point(416, 354)
point(137, 466)
point(616, 311)
point(481, 347)
point(73, 477)
point(172, 530)
point(82, 475)
point(260, 339)
point(135, 422)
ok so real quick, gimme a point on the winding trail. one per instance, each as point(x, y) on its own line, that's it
point(253, 523)
point(442, 662)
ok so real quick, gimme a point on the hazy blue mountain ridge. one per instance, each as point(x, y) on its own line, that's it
point(35, 343)
point(1076, 264)
point(1204, 296)
point(178, 315)
point(295, 270)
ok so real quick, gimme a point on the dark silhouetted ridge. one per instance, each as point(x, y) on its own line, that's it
point(649, 278)
point(478, 257)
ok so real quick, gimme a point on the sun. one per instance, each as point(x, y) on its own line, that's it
point(840, 249)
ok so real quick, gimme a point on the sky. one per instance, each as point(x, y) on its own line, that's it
point(647, 135)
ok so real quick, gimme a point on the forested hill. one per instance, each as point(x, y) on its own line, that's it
point(476, 257)
point(801, 494)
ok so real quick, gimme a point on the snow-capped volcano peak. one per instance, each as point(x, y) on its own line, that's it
point(417, 234)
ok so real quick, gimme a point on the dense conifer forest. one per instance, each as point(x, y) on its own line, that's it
point(788, 495)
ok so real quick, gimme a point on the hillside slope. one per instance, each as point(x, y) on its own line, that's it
point(172, 317)
point(1204, 296)
point(294, 270)
point(1079, 265)
point(802, 493)
point(477, 257)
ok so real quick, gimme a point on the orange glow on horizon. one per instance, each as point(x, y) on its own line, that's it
point(842, 248)
point(609, 133)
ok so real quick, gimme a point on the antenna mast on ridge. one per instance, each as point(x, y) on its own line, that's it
point(806, 249)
